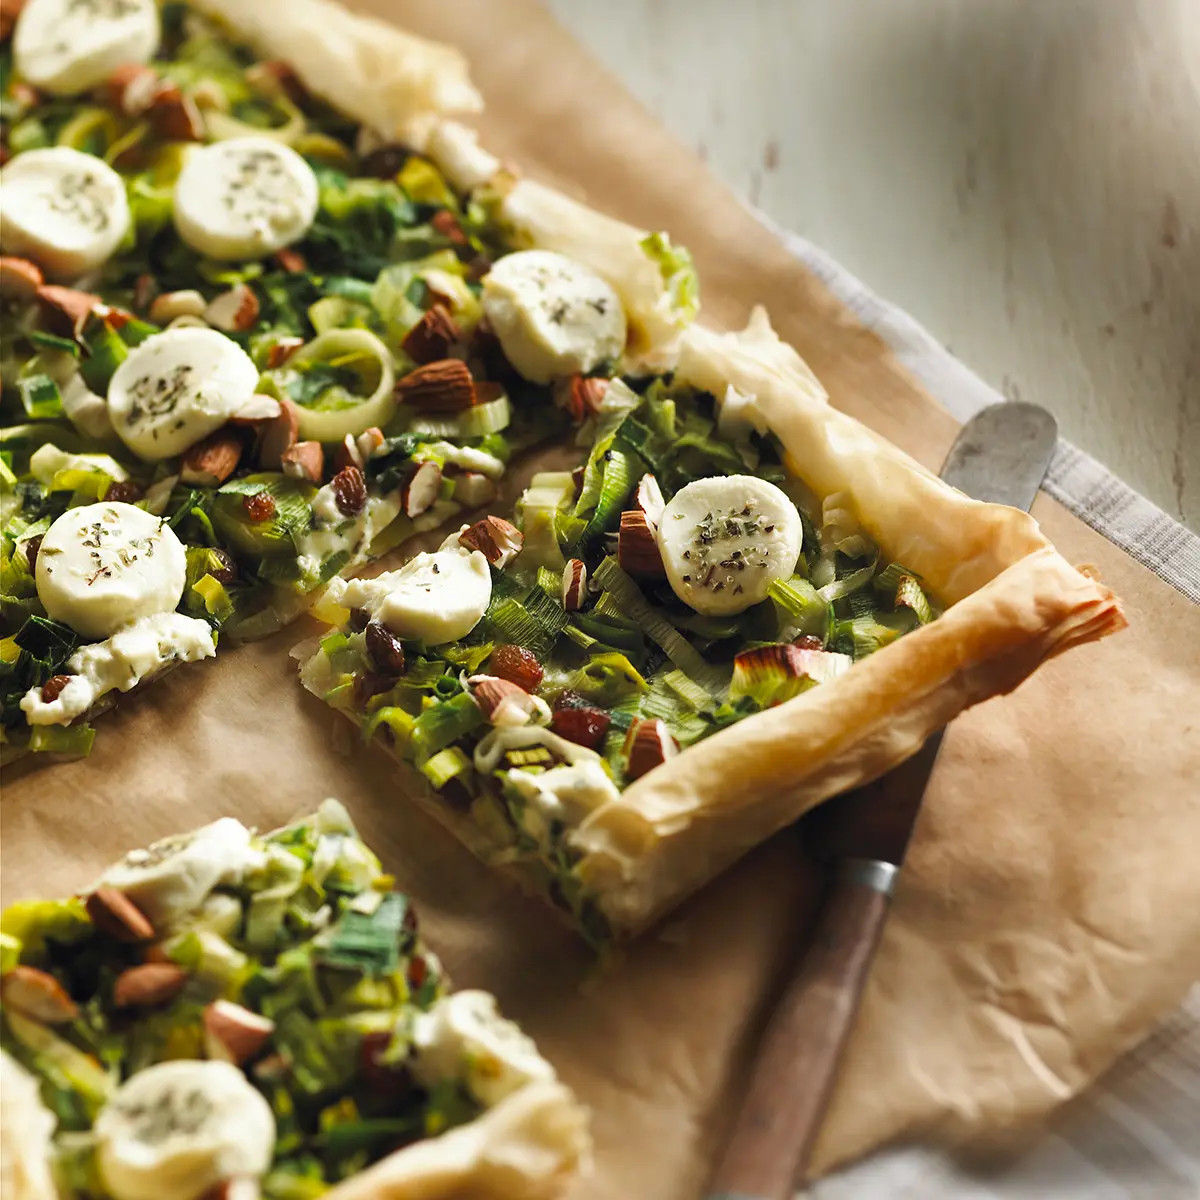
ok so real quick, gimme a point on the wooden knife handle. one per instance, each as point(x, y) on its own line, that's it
point(792, 1079)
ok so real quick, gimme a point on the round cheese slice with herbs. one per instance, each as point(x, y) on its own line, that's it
point(66, 47)
point(180, 1129)
point(178, 387)
point(554, 317)
point(726, 539)
point(64, 209)
point(101, 566)
point(244, 198)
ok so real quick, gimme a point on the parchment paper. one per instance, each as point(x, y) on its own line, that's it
point(1050, 912)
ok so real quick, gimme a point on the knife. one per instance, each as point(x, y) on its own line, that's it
point(1001, 455)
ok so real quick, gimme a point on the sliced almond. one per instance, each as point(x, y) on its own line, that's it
point(39, 995)
point(443, 386)
point(347, 454)
point(369, 441)
point(503, 702)
point(114, 914)
point(649, 500)
point(279, 436)
point(186, 302)
point(148, 985)
point(281, 350)
point(257, 410)
point(432, 336)
point(422, 489)
point(637, 547)
point(581, 395)
point(19, 278)
point(212, 460)
point(648, 744)
point(473, 490)
point(497, 540)
point(131, 88)
point(234, 1034)
point(66, 310)
point(233, 311)
point(304, 460)
point(574, 583)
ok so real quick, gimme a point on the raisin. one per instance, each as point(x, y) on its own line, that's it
point(418, 972)
point(259, 507)
point(53, 686)
point(583, 726)
point(369, 684)
point(386, 161)
point(359, 618)
point(349, 487)
point(384, 649)
point(123, 491)
point(390, 1079)
point(31, 552)
point(227, 571)
point(517, 665)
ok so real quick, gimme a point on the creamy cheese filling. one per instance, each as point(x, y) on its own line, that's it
point(334, 532)
point(120, 663)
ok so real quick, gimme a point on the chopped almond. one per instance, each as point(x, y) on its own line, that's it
point(442, 386)
point(148, 985)
point(304, 460)
point(214, 459)
point(505, 703)
point(290, 260)
point(581, 396)
point(259, 409)
point(186, 302)
point(114, 914)
point(132, 88)
point(422, 489)
point(649, 500)
point(432, 336)
point(233, 311)
point(175, 115)
point(234, 1034)
point(279, 436)
point(637, 547)
point(497, 540)
point(39, 995)
point(648, 744)
point(281, 350)
point(574, 582)
point(19, 278)
point(66, 310)
point(347, 454)
point(446, 223)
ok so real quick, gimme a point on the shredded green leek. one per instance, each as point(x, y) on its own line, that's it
point(446, 765)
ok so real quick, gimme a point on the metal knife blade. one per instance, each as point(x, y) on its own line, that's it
point(1001, 455)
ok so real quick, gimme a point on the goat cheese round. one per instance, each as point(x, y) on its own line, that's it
point(554, 317)
point(104, 565)
point(178, 387)
point(243, 198)
point(435, 598)
point(64, 209)
point(726, 539)
point(182, 1128)
point(66, 47)
point(173, 877)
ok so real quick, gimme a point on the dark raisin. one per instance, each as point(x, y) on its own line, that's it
point(383, 1078)
point(53, 686)
point(369, 684)
point(517, 665)
point(418, 972)
point(583, 726)
point(386, 161)
point(259, 507)
point(227, 571)
point(31, 552)
point(384, 649)
point(358, 619)
point(349, 488)
point(808, 642)
point(123, 491)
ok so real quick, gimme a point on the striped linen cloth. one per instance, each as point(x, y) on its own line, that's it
point(1136, 1134)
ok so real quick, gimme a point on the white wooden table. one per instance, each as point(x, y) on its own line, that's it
point(1022, 175)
